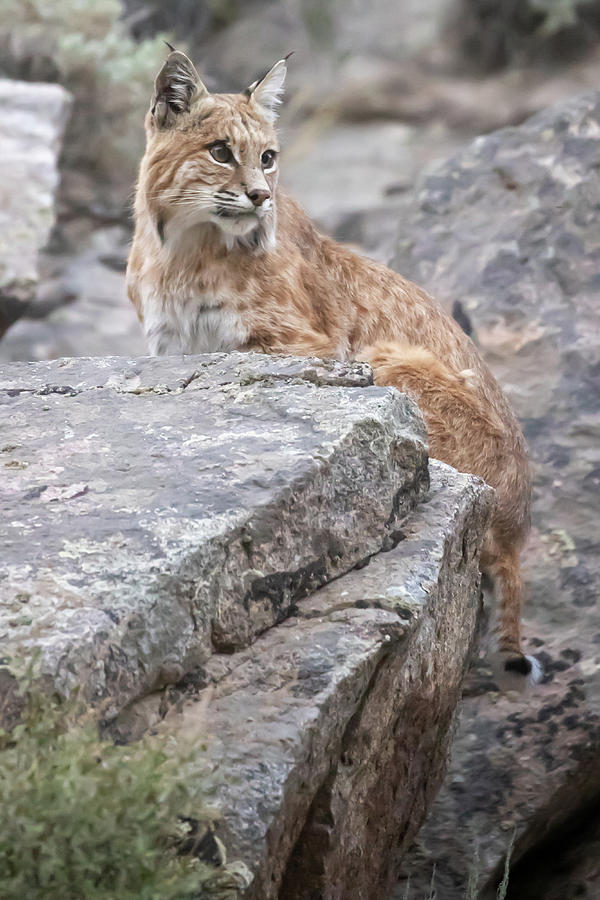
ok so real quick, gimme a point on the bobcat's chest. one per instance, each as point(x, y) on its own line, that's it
point(193, 324)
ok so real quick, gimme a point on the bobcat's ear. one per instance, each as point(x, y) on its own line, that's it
point(176, 87)
point(267, 92)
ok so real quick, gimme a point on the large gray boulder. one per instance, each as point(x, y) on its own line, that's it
point(509, 229)
point(32, 120)
point(155, 511)
point(246, 551)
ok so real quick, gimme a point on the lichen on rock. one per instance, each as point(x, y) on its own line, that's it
point(251, 554)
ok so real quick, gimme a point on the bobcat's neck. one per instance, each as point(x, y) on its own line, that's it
point(202, 259)
point(197, 292)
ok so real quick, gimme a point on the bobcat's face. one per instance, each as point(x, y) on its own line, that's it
point(212, 158)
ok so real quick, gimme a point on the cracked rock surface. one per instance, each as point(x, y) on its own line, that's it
point(248, 552)
point(157, 510)
point(326, 740)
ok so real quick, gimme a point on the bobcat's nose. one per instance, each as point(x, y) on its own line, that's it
point(258, 196)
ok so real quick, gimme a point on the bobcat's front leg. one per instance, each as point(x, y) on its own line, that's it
point(162, 329)
point(164, 340)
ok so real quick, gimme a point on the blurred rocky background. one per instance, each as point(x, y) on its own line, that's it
point(384, 101)
point(377, 92)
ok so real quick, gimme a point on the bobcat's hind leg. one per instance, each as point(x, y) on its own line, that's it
point(504, 569)
point(466, 433)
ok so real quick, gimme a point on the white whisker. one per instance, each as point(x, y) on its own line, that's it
point(198, 203)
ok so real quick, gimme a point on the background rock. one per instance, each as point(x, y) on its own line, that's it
point(495, 35)
point(31, 126)
point(509, 228)
point(100, 322)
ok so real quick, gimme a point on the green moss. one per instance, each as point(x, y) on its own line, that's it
point(223, 12)
point(558, 14)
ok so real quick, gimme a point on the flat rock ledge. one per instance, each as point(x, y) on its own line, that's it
point(247, 551)
point(155, 511)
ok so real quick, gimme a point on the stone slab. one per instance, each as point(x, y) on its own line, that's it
point(156, 510)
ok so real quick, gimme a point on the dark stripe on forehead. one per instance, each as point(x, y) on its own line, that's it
point(251, 126)
point(246, 130)
point(246, 123)
point(197, 121)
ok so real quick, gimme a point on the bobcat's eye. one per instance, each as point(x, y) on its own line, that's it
point(221, 152)
point(268, 159)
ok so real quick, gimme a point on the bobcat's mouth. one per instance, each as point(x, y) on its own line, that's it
point(235, 221)
point(227, 213)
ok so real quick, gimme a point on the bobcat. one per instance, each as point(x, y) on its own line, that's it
point(223, 259)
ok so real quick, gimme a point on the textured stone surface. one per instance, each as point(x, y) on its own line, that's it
point(327, 738)
point(164, 521)
point(31, 126)
point(567, 865)
point(348, 173)
point(156, 510)
point(510, 227)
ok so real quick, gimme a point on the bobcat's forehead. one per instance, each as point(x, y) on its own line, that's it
point(222, 117)
point(234, 118)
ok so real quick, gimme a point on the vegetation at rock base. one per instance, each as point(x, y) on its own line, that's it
point(82, 818)
point(472, 888)
point(86, 46)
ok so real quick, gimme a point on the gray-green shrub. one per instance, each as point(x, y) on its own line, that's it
point(85, 46)
point(82, 818)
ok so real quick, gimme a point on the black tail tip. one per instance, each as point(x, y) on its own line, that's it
point(519, 664)
point(524, 665)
